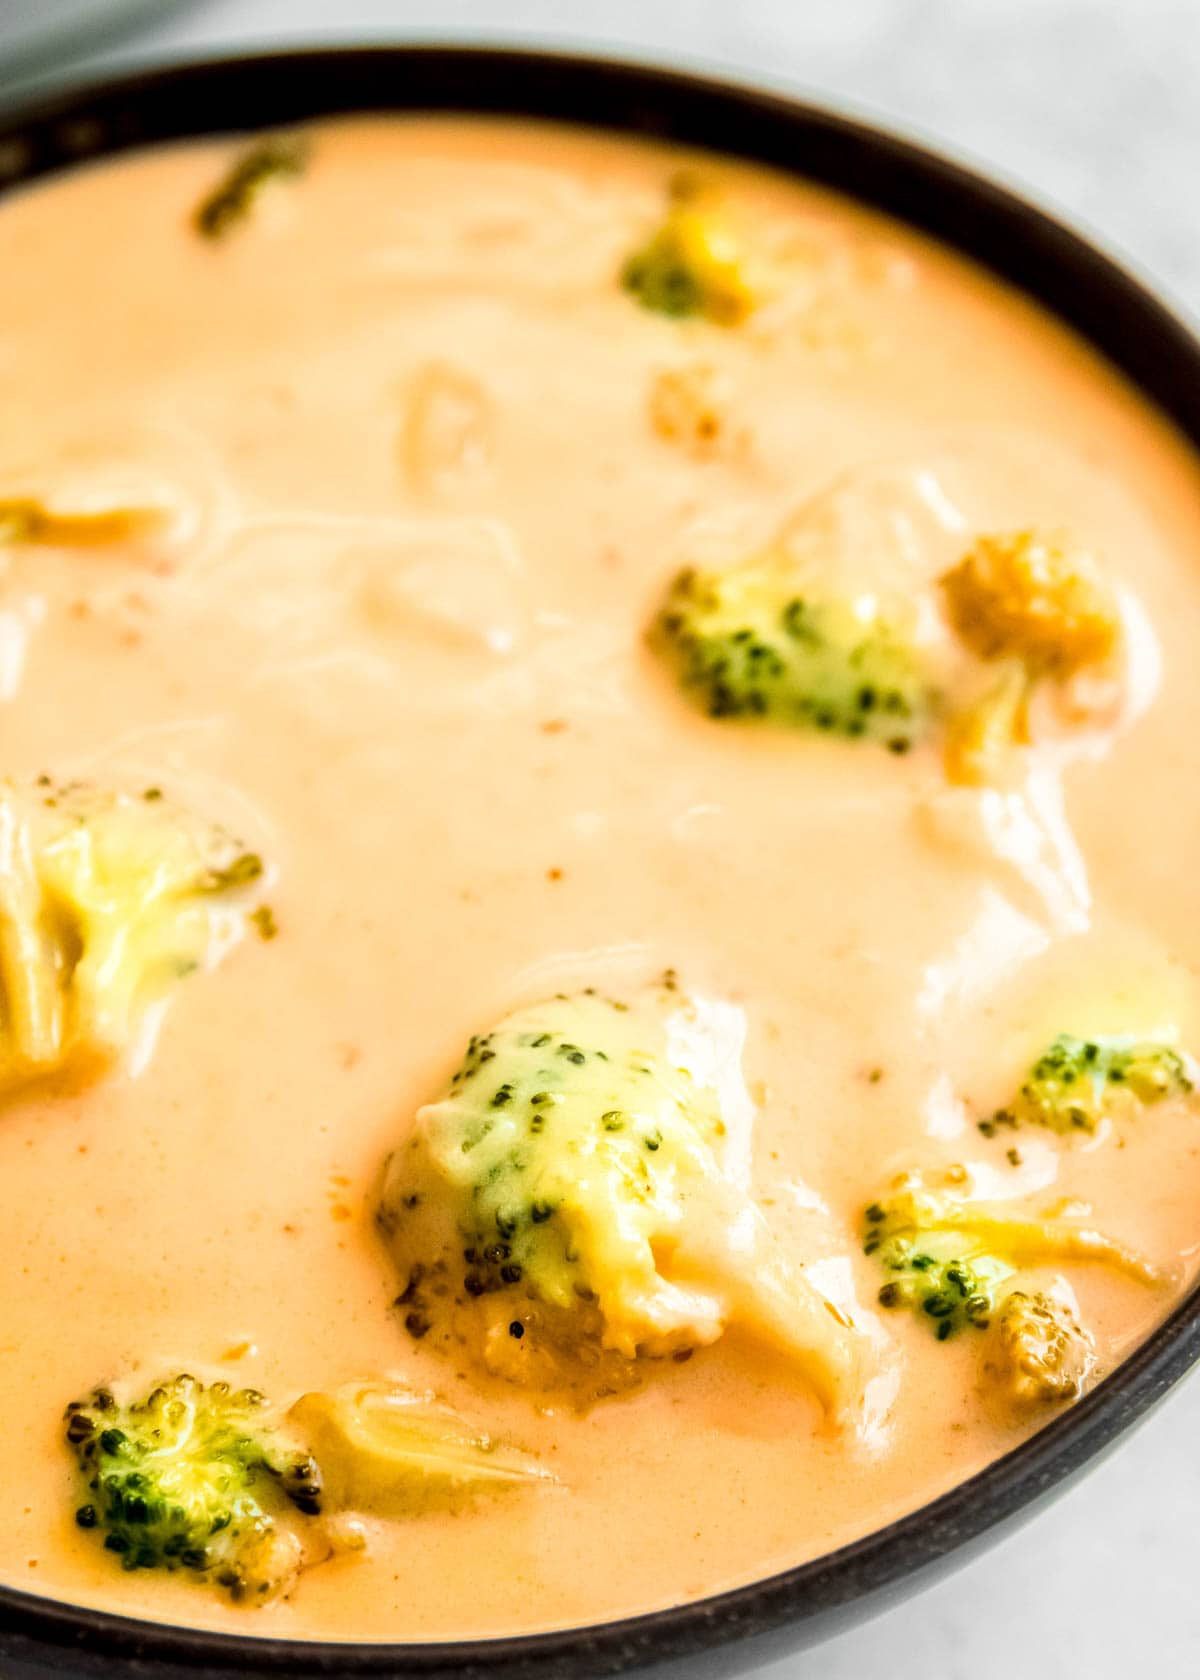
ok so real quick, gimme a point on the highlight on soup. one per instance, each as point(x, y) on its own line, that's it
point(596, 996)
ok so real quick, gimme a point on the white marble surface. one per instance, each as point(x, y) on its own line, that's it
point(1092, 105)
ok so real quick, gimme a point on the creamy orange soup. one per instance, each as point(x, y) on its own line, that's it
point(423, 469)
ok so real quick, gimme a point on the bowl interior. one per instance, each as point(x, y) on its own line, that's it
point(1019, 243)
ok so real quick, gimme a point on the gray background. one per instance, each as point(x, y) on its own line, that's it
point(1092, 106)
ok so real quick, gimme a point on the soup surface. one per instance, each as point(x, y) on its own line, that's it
point(427, 469)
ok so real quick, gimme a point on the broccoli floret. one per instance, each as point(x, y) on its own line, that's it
point(1080, 1082)
point(1044, 610)
point(746, 645)
point(1036, 1350)
point(577, 1201)
point(950, 1258)
point(693, 263)
point(197, 1478)
point(1034, 599)
point(390, 1452)
point(939, 1273)
point(234, 197)
point(106, 901)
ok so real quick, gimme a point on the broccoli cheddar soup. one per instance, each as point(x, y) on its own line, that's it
point(595, 796)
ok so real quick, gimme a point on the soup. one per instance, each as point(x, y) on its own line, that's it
point(390, 503)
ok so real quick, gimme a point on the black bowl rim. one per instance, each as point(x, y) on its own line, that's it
point(987, 223)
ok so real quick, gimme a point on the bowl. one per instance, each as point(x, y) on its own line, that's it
point(733, 1630)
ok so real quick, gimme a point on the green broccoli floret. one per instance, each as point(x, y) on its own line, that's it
point(932, 1275)
point(231, 201)
point(950, 1258)
point(745, 644)
point(195, 1477)
point(1036, 1350)
point(941, 1273)
point(692, 264)
point(576, 1201)
point(1080, 1082)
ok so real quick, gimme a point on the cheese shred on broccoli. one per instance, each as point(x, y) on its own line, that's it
point(107, 901)
point(573, 1203)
